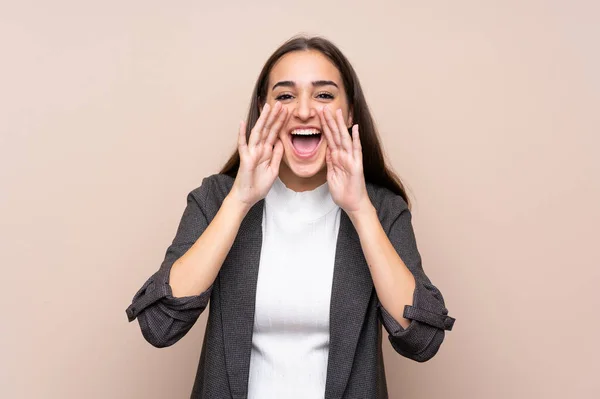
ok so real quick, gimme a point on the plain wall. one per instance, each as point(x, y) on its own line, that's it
point(111, 112)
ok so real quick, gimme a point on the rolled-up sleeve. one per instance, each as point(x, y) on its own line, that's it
point(164, 319)
point(428, 315)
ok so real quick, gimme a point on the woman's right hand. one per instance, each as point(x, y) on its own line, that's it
point(259, 157)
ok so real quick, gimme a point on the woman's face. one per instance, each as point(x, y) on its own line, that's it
point(304, 82)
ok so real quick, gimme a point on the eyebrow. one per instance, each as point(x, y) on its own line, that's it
point(316, 83)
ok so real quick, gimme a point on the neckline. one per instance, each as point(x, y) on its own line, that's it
point(303, 205)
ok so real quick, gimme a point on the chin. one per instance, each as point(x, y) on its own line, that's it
point(306, 170)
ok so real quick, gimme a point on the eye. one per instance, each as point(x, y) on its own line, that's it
point(325, 96)
point(283, 97)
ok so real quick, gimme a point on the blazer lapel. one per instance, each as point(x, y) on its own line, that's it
point(351, 292)
point(237, 283)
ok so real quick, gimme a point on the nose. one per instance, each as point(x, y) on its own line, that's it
point(305, 109)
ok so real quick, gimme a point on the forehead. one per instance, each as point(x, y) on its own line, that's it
point(304, 67)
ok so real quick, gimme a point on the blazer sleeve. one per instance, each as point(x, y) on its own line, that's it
point(164, 319)
point(429, 318)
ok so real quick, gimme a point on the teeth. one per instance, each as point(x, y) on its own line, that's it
point(306, 132)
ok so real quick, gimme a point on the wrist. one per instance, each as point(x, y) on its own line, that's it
point(362, 212)
point(234, 205)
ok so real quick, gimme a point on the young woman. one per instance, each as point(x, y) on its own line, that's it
point(303, 244)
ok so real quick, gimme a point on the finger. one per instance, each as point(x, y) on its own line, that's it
point(259, 125)
point(274, 132)
point(326, 130)
point(343, 129)
point(242, 145)
point(356, 145)
point(270, 120)
point(276, 157)
point(328, 160)
point(333, 127)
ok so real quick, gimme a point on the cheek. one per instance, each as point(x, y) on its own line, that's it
point(340, 103)
point(290, 108)
point(282, 133)
point(344, 108)
point(284, 125)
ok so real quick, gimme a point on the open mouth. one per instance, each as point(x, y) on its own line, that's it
point(306, 141)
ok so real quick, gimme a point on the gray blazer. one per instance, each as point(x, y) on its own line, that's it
point(355, 365)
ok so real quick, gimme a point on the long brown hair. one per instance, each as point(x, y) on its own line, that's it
point(375, 167)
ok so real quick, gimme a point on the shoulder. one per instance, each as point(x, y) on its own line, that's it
point(388, 204)
point(212, 191)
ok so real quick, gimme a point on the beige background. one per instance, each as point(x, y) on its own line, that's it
point(111, 112)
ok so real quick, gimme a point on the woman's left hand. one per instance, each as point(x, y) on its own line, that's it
point(345, 175)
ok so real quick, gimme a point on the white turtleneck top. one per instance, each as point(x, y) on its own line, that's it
point(290, 342)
